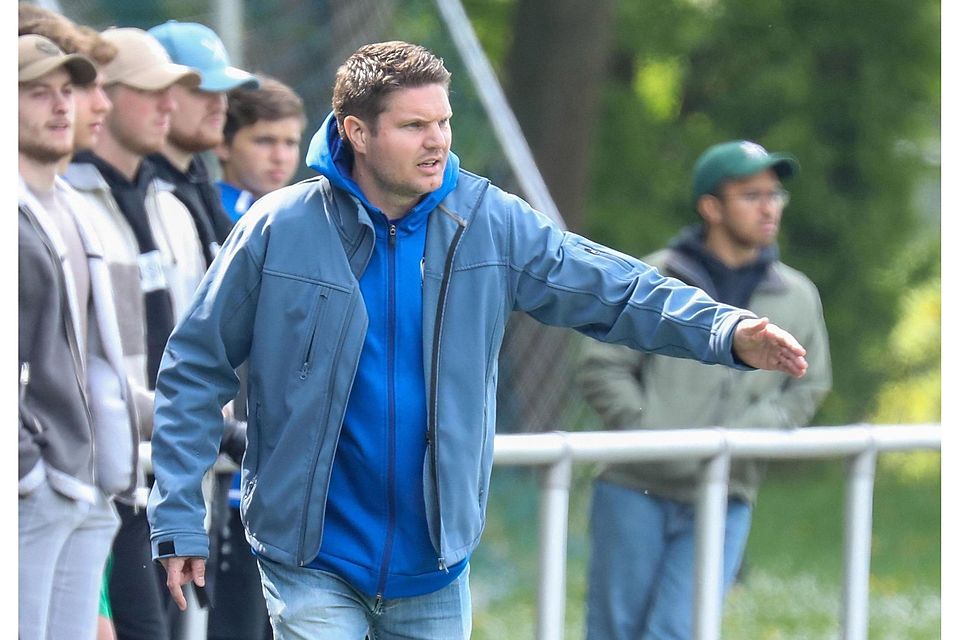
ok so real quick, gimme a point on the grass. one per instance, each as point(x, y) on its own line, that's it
point(791, 585)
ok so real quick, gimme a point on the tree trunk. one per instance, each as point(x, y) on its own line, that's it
point(555, 71)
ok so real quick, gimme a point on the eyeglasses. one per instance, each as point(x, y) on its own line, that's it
point(779, 198)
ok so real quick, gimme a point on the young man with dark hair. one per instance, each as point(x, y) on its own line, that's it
point(641, 577)
point(259, 154)
point(370, 304)
point(261, 143)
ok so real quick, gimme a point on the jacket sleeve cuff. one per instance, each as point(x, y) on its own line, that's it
point(729, 328)
point(194, 545)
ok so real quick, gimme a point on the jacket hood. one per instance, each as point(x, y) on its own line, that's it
point(332, 159)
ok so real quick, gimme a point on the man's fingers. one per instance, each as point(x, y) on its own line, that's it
point(199, 570)
point(180, 571)
point(786, 340)
point(177, 594)
point(792, 363)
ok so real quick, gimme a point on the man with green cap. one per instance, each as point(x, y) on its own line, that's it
point(641, 576)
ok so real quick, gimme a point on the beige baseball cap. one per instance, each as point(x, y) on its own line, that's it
point(142, 62)
point(39, 56)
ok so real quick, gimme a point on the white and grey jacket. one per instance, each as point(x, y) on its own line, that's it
point(179, 266)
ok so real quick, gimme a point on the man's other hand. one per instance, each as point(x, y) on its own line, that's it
point(180, 571)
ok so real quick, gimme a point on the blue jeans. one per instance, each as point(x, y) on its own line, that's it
point(641, 572)
point(308, 604)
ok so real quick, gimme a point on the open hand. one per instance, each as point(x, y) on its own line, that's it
point(762, 344)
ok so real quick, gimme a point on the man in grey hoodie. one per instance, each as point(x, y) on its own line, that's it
point(78, 444)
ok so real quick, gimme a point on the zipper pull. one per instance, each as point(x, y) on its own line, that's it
point(442, 565)
point(393, 235)
point(24, 379)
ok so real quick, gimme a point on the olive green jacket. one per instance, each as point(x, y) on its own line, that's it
point(634, 390)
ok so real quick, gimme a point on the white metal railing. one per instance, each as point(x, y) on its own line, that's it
point(859, 444)
point(557, 452)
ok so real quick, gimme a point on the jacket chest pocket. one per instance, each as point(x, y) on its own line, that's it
point(314, 322)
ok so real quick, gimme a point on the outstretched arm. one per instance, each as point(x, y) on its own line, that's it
point(762, 344)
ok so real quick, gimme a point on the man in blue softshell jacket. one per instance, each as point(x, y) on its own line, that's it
point(370, 304)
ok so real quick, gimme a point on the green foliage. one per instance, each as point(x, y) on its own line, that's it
point(913, 395)
point(840, 85)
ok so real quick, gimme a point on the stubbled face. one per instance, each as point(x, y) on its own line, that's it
point(403, 155)
point(93, 105)
point(140, 119)
point(197, 124)
point(46, 117)
point(750, 211)
point(263, 156)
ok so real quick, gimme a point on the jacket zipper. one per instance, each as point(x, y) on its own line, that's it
point(432, 440)
point(391, 410)
point(24, 380)
point(315, 317)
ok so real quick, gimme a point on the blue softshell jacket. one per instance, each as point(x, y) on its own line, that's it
point(375, 526)
point(285, 295)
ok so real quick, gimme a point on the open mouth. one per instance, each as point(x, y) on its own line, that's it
point(431, 164)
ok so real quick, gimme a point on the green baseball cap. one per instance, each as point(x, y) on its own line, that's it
point(737, 159)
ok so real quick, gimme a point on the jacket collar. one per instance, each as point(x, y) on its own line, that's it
point(85, 176)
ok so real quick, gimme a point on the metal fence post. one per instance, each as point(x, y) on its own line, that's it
point(711, 517)
point(858, 527)
point(552, 592)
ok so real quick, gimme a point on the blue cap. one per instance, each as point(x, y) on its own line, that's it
point(198, 46)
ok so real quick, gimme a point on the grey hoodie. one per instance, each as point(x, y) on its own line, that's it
point(76, 419)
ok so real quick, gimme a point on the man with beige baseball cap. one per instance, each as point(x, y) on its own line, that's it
point(143, 63)
point(38, 56)
point(77, 437)
point(155, 259)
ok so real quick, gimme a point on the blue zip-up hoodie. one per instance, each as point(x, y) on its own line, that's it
point(376, 535)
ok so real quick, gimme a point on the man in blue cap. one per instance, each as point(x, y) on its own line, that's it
point(197, 124)
point(642, 520)
point(196, 127)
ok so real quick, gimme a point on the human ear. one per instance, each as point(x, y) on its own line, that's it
point(710, 208)
point(356, 132)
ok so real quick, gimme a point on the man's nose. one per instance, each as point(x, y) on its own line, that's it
point(435, 137)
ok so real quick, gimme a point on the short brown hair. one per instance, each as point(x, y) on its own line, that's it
point(374, 71)
point(272, 101)
point(69, 36)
